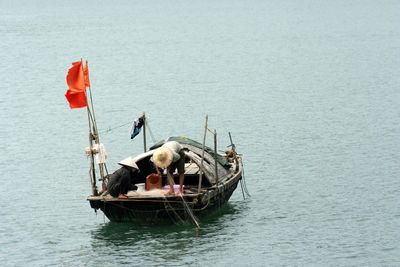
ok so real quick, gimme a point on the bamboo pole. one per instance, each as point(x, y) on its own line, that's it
point(93, 135)
point(93, 176)
point(90, 120)
point(95, 130)
point(102, 166)
point(92, 166)
point(92, 108)
point(216, 154)
point(202, 154)
point(144, 131)
point(232, 144)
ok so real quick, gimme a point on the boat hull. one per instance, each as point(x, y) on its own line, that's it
point(166, 210)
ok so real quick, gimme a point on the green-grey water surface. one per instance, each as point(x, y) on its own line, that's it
point(309, 89)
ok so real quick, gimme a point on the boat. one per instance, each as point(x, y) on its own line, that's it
point(210, 180)
point(210, 177)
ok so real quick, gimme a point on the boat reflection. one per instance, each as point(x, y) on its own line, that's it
point(167, 242)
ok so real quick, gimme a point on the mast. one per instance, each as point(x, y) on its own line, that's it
point(92, 171)
point(93, 136)
point(144, 131)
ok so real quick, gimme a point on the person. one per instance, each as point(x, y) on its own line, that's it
point(123, 179)
point(171, 156)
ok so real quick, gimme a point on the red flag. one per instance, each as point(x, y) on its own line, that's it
point(75, 77)
point(77, 80)
point(86, 75)
point(76, 99)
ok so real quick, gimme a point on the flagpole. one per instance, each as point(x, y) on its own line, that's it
point(91, 104)
point(144, 131)
point(93, 135)
point(94, 125)
point(91, 138)
point(93, 170)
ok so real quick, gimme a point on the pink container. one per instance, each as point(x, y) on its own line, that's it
point(176, 187)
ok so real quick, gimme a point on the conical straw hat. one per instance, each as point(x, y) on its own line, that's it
point(129, 162)
point(163, 157)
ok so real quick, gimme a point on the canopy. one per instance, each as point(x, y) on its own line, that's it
point(184, 140)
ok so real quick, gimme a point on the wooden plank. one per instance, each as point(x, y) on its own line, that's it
point(223, 174)
point(208, 171)
point(198, 151)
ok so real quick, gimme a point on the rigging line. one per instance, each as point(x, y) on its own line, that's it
point(241, 186)
point(169, 215)
point(116, 127)
point(105, 166)
point(166, 209)
point(90, 174)
point(203, 208)
point(174, 211)
point(245, 188)
point(211, 131)
point(104, 208)
point(171, 208)
point(244, 181)
point(189, 211)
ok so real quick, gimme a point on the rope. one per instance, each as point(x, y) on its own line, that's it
point(205, 206)
point(92, 179)
point(244, 181)
point(241, 186)
point(189, 211)
point(109, 129)
point(171, 208)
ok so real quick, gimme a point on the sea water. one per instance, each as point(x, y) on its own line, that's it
point(309, 90)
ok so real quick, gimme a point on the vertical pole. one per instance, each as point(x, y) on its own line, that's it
point(202, 154)
point(232, 144)
point(93, 170)
point(216, 154)
point(233, 148)
point(93, 135)
point(95, 131)
point(144, 132)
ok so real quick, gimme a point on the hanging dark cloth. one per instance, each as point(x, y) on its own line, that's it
point(136, 126)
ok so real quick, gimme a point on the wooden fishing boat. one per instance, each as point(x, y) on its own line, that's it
point(210, 180)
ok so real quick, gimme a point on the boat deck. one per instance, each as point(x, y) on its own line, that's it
point(152, 194)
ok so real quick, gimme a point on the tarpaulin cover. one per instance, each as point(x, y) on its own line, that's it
point(184, 140)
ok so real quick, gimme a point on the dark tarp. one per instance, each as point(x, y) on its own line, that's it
point(184, 140)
